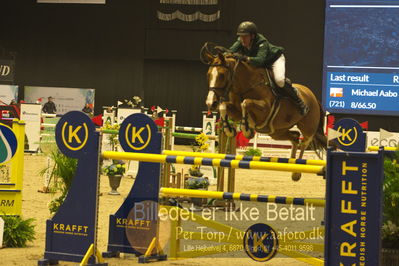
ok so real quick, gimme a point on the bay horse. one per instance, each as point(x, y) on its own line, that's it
point(244, 94)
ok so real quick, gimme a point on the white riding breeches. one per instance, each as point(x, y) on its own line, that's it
point(278, 68)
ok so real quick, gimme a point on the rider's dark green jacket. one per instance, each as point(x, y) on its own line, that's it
point(262, 52)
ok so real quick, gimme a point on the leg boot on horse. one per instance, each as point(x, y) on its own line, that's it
point(228, 129)
point(247, 123)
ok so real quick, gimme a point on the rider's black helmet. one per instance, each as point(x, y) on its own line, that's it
point(247, 27)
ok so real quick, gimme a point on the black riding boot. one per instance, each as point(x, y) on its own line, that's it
point(294, 95)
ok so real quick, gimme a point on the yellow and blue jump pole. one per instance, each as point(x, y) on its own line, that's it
point(245, 157)
point(159, 158)
point(168, 192)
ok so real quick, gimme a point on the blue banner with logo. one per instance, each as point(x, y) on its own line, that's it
point(353, 138)
point(353, 210)
point(361, 62)
point(134, 225)
point(72, 230)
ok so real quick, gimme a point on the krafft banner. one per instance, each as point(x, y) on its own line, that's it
point(65, 99)
point(353, 210)
point(8, 93)
point(7, 70)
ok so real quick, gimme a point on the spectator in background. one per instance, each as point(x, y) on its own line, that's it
point(49, 107)
point(87, 109)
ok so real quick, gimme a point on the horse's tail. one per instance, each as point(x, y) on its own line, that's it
point(319, 142)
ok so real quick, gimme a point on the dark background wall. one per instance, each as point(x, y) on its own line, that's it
point(122, 49)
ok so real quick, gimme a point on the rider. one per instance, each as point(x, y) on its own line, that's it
point(254, 48)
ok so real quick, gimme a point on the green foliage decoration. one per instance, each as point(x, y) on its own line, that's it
point(253, 152)
point(62, 174)
point(17, 231)
point(390, 228)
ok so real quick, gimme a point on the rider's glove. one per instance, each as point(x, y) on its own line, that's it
point(241, 57)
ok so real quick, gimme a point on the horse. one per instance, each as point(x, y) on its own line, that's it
point(244, 93)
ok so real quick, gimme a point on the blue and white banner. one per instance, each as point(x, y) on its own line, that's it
point(361, 59)
point(376, 93)
point(8, 93)
point(65, 99)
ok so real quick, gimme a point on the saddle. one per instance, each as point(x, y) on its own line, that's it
point(267, 125)
point(277, 92)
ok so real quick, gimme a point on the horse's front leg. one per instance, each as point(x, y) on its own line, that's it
point(250, 108)
point(226, 110)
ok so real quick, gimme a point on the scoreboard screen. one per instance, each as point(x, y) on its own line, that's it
point(361, 57)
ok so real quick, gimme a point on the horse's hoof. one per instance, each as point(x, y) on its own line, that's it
point(296, 176)
point(248, 132)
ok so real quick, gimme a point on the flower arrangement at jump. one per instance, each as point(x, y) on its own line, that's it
point(116, 168)
point(201, 143)
point(114, 171)
point(196, 181)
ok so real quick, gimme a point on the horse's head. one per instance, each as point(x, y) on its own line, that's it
point(220, 76)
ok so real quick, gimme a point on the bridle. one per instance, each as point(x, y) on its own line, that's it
point(207, 47)
point(227, 88)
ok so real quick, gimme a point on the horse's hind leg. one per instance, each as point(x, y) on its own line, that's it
point(302, 147)
point(293, 137)
point(295, 142)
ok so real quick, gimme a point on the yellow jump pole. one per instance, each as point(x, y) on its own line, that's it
point(158, 158)
point(376, 148)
